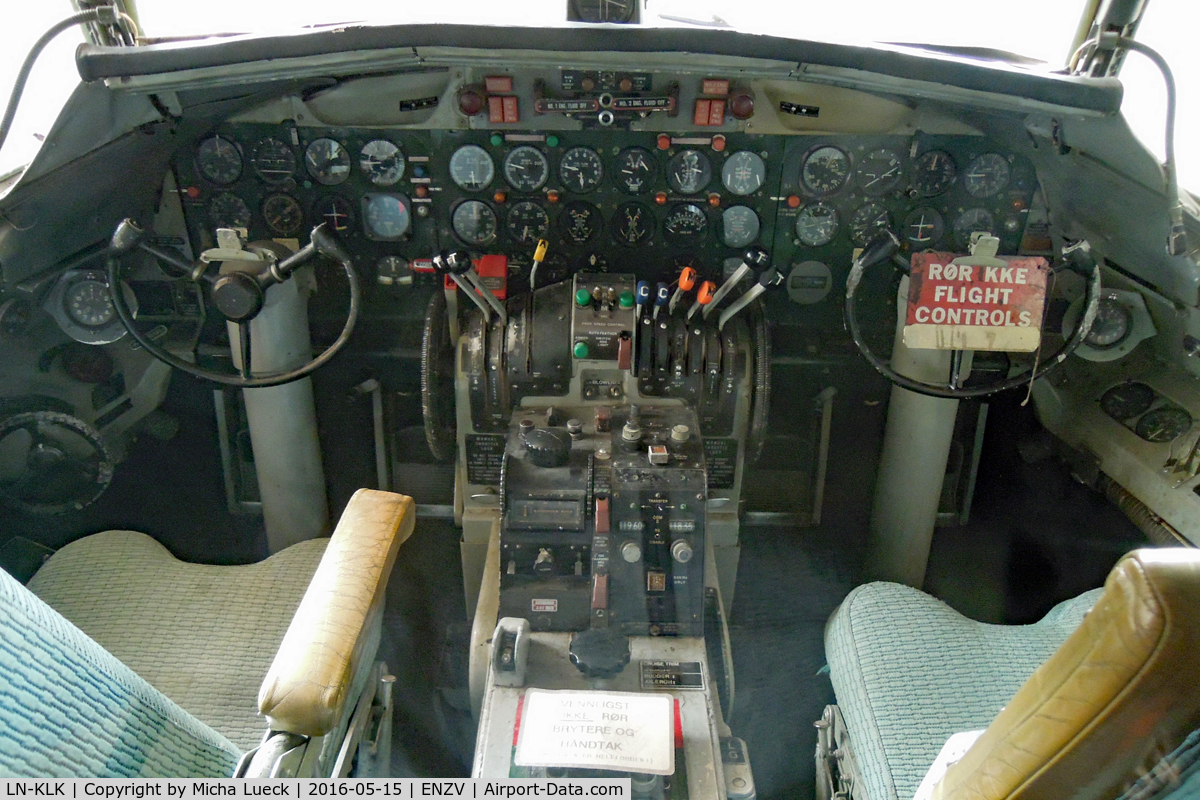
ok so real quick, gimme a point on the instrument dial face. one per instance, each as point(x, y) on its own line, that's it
point(826, 170)
point(636, 169)
point(382, 162)
point(1111, 326)
point(689, 172)
point(335, 211)
point(739, 226)
point(987, 175)
point(633, 224)
point(527, 222)
point(227, 210)
point(88, 303)
point(1163, 425)
point(743, 173)
point(971, 221)
point(526, 169)
point(581, 169)
point(327, 161)
point(934, 173)
point(686, 225)
point(219, 160)
point(1127, 400)
point(879, 172)
point(868, 221)
point(386, 217)
point(471, 168)
point(817, 224)
point(923, 228)
point(474, 222)
point(282, 214)
point(580, 222)
point(274, 161)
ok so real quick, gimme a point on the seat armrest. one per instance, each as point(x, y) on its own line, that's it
point(307, 684)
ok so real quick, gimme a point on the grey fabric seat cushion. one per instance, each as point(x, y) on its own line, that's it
point(908, 671)
point(203, 635)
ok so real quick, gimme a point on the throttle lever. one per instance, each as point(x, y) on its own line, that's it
point(687, 279)
point(766, 280)
point(704, 296)
point(460, 263)
point(754, 258)
point(441, 265)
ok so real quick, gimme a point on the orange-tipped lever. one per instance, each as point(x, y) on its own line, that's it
point(687, 279)
point(704, 296)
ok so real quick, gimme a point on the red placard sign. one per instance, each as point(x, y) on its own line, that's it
point(957, 306)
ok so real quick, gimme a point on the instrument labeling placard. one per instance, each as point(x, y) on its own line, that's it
point(622, 731)
point(485, 458)
point(672, 675)
point(954, 306)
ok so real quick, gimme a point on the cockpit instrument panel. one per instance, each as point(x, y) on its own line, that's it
point(605, 199)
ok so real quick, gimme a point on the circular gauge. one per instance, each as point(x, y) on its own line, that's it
point(474, 222)
point(739, 226)
point(879, 171)
point(743, 173)
point(471, 168)
point(382, 162)
point(934, 173)
point(526, 169)
point(923, 228)
point(386, 217)
point(987, 175)
point(527, 222)
point(227, 210)
point(1127, 400)
point(219, 159)
point(685, 225)
point(88, 303)
point(580, 222)
point(283, 214)
point(273, 161)
point(327, 161)
point(868, 221)
point(971, 221)
point(688, 172)
point(825, 170)
point(633, 224)
point(635, 170)
point(817, 224)
point(1162, 425)
point(335, 211)
point(580, 169)
point(1111, 326)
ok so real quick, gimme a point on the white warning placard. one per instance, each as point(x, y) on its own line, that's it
point(622, 731)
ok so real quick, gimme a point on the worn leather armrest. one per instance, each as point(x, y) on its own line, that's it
point(307, 683)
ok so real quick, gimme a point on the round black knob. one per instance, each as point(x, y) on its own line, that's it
point(600, 652)
point(439, 264)
point(756, 257)
point(548, 448)
point(459, 262)
point(237, 296)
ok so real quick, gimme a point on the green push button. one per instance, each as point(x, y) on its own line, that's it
point(496, 140)
point(552, 141)
point(626, 300)
point(583, 298)
point(581, 350)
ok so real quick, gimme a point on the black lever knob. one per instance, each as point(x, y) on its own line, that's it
point(756, 257)
point(127, 236)
point(879, 249)
point(459, 262)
